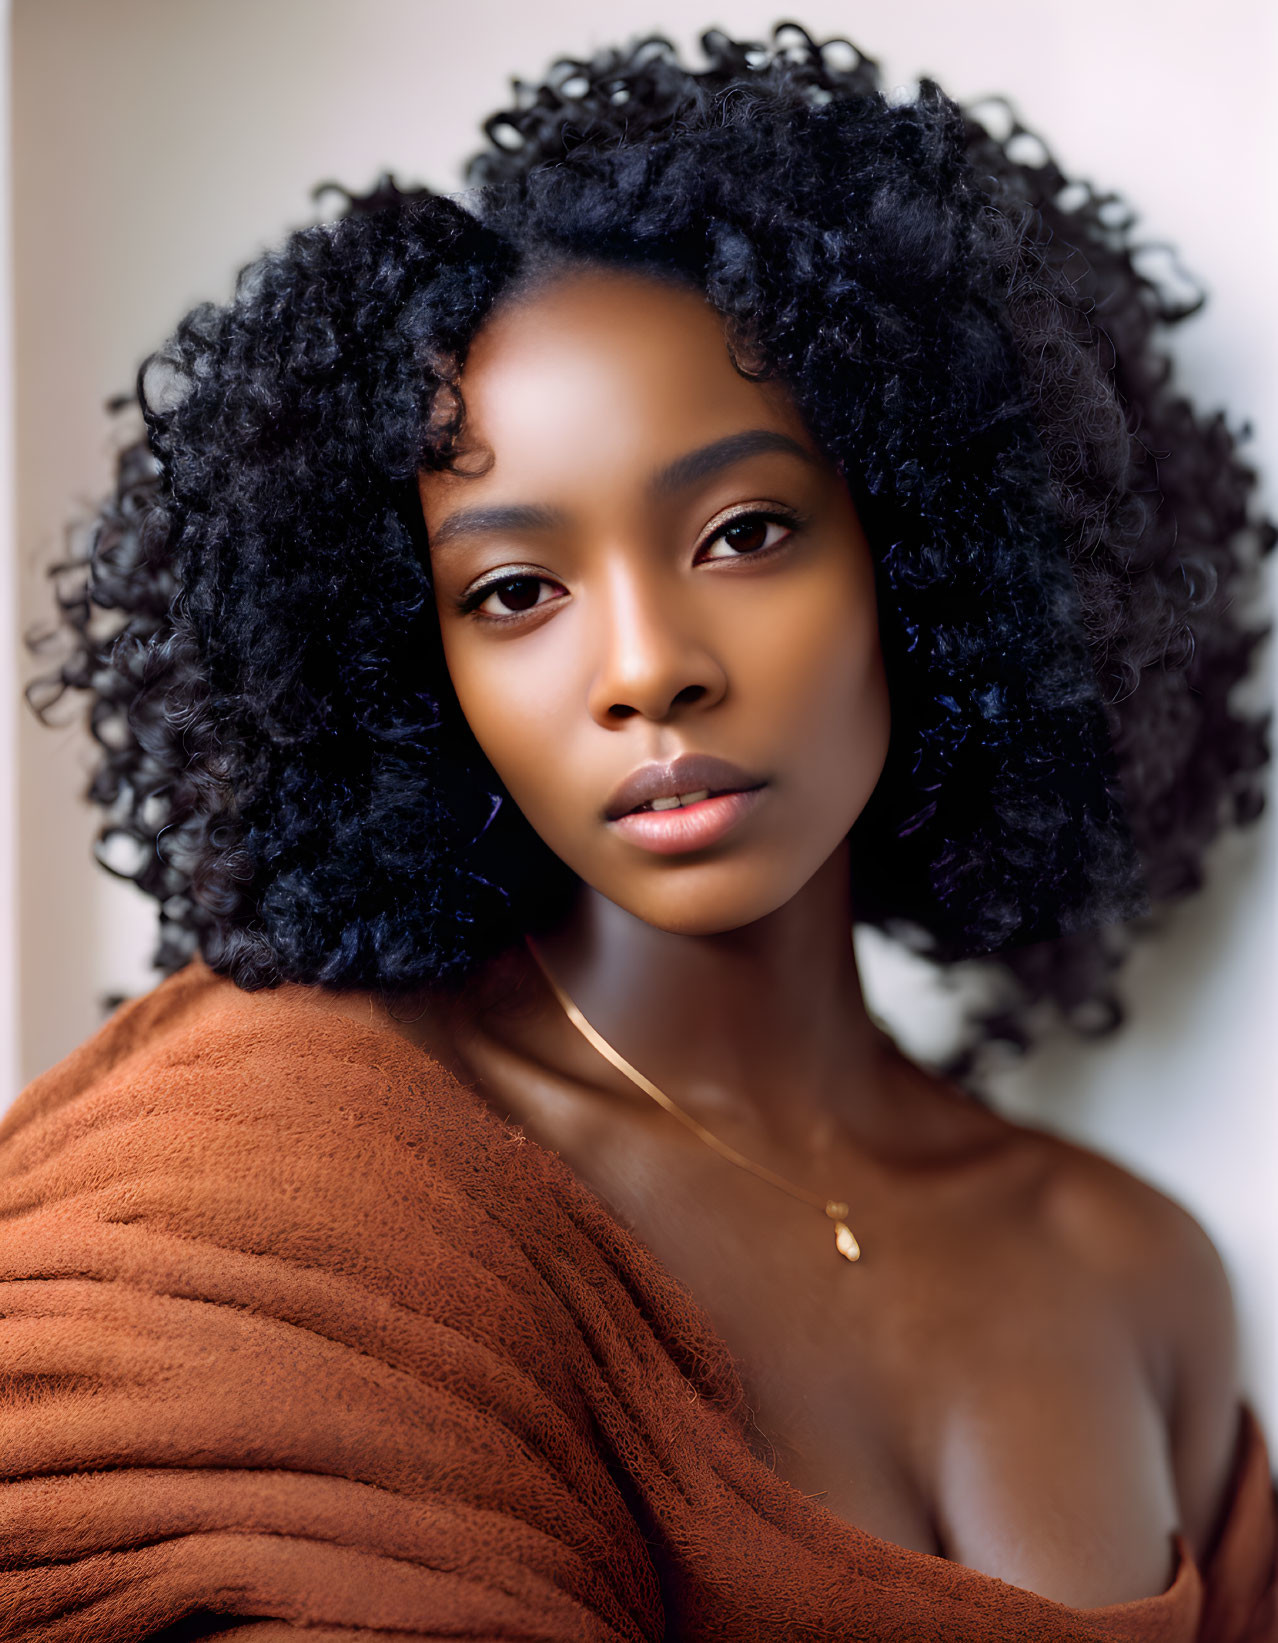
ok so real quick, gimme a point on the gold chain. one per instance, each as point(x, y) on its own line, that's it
point(844, 1241)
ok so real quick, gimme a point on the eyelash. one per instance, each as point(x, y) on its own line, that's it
point(470, 602)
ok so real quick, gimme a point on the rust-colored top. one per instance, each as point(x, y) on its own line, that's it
point(296, 1329)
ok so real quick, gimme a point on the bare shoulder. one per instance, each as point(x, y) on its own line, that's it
point(1170, 1282)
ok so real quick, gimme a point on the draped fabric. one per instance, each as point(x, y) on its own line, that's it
point(297, 1335)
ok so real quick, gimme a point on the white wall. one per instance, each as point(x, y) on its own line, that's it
point(160, 144)
point(9, 933)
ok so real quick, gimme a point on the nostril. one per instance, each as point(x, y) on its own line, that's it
point(659, 707)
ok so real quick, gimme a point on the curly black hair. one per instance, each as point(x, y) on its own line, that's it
point(1061, 541)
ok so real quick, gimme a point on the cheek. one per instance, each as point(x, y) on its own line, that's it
point(521, 704)
point(813, 666)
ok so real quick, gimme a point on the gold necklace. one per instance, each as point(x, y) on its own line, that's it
point(844, 1241)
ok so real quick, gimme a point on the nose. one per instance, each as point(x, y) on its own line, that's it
point(652, 663)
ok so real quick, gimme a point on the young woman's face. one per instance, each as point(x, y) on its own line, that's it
point(652, 588)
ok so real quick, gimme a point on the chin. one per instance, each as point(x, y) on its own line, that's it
point(682, 906)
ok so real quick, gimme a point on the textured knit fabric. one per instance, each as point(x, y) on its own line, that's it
point(296, 1333)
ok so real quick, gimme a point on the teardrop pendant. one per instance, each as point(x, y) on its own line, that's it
point(844, 1241)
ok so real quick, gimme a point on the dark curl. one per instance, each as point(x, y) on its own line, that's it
point(1060, 540)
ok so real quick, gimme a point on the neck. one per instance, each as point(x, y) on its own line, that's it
point(764, 1026)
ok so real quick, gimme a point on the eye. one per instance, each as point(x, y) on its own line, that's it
point(745, 534)
point(510, 595)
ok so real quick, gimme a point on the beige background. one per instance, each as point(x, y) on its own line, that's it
point(157, 144)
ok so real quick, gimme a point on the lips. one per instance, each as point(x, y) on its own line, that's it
point(688, 827)
point(693, 775)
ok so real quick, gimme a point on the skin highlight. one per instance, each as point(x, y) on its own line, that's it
point(594, 620)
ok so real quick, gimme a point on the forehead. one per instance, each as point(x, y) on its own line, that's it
point(597, 379)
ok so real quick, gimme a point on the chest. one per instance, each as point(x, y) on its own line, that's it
point(964, 1390)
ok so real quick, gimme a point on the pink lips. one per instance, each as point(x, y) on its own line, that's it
point(672, 829)
point(691, 826)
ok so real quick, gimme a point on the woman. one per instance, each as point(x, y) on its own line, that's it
point(547, 623)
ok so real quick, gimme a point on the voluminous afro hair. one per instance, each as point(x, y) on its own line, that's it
point(1060, 540)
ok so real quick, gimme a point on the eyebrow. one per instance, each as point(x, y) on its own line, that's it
point(675, 476)
point(495, 522)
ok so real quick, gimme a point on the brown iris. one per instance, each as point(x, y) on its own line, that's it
point(519, 593)
point(746, 534)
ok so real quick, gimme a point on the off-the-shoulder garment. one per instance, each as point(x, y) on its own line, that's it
point(299, 1339)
